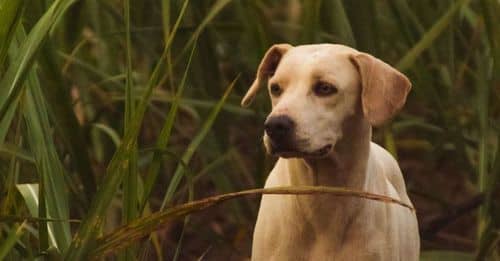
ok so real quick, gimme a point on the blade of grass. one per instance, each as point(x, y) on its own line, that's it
point(186, 218)
point(310, 19)
point(118, 166)
point(166, 15)
point(6, 121)
point(338, 22)
point(428, 38)
point(491, 9)
point(30, 196)
point(56, 93)
point(212, 13)
point(28, 219)
point(491, 237)
point(179, 172)
point(164, 136)
point(364, 32)
point(144, 226)
point(9, 242)
point(202, 103)
point(12, 82)
point(8, 188)
point(47, 163)
point(407, 20)
point(482, 102)
point(438, 255)
point(112, 134)
point(130, 195)
point(10, 17)
point(45, 235)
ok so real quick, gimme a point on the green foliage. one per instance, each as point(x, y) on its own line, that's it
point(445, 256)
point(111, 113)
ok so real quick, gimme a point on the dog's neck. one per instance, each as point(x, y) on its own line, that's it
point(345, 166)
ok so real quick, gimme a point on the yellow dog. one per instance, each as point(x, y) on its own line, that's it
point(325, 100)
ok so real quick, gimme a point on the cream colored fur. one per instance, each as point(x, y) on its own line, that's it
point(325, 227)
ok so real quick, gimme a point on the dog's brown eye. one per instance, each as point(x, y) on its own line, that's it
point(275, 89)
point(324, 89)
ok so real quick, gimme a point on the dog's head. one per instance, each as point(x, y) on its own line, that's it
point(315, 88)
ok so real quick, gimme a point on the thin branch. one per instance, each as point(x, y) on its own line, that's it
point(142, 227)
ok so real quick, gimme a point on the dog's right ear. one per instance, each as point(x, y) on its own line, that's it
point(266, 69)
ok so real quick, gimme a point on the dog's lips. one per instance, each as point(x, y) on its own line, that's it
point(292, 153)
point(324, 150)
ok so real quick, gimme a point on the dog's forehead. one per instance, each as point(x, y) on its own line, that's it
point(320, 49)
point(315, 60)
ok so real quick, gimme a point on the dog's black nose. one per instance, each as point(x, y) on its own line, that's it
point(279, 128)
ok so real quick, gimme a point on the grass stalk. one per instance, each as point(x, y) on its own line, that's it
point(430, 36)
point(188, 154)
point(164, 136)
point(9, 242)
point(144, 226)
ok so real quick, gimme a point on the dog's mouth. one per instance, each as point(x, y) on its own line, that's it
point(295, 153)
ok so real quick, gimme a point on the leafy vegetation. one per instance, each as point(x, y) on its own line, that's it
point(115, 113)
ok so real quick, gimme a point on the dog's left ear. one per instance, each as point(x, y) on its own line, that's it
point(384, 89)
point(266, 69)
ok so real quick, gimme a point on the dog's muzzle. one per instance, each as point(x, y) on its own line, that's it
point(280, 130)
point(282, 141)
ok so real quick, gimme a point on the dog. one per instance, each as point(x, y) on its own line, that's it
point(325, 99)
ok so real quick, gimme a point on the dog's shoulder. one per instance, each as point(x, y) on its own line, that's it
point(390, 169)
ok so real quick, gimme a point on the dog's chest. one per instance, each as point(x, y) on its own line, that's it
point(294, 232)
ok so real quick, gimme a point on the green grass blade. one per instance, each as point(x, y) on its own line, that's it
point(310, 19)
point(201, 103)
point(144, 226)
point(164, 136)
point(186, 218)
point(9, 242)
point(130, 195)
point(112, 134)
point(193, 146)
point(165, 11)
point(30, 196)
point(129, 102)
point(491, 9)
point(428, 38)
point(337, 23)
point(6, 121)
point(9, 179)
point(12, 81)
point(10, 17)
point(47, 162)
point(482, 102)
point(212, 13)
point(446, 256)
point(56, 93)
point(118, 166)
point(364, 32)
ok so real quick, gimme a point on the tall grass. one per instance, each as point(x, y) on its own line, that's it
point(114, 112)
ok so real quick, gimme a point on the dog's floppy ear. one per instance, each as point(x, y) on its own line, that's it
point(384, 89)
point(266, 69)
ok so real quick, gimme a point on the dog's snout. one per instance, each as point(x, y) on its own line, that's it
point(279, 127)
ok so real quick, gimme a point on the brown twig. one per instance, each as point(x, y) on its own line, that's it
point(142, 227)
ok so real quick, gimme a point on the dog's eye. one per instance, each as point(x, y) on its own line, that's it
point(275, 90)
point(324, 89)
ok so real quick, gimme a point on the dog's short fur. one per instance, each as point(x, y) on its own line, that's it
point(325, 100)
